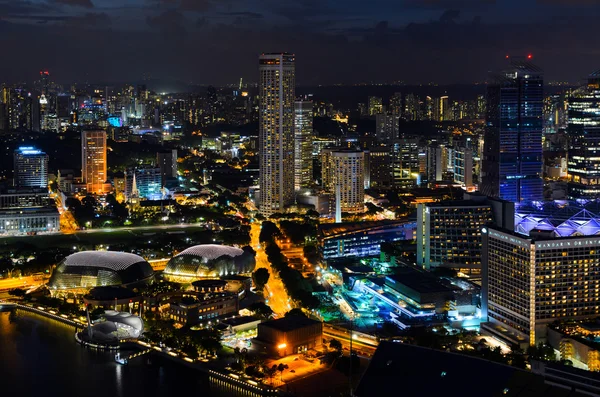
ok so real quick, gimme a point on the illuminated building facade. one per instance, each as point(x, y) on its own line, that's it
point(93, 160)
point(559, 218)
point(512, 158)
point(375, 105)
point(143, 183)
point(405, 162)
point(303, 144)
point(530, 281)
point(361, 239)
point(343, 170)
point(463, 167)
point(167, 162)
point(449, 232)
point(584, 140)
point(31, 168)
point(276, 131)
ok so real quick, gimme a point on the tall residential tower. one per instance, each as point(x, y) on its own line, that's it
point(276, 131)
point(31, 167)
point(512, 158)
point(303, 144)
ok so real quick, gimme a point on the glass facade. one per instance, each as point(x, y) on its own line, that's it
point(512, 163)
point(93, 160)
point(584, 140)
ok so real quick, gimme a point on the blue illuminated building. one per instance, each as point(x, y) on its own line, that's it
point(115, 121)
point(143, 183)
point(512, 155)
point(30, 167)
point(361, 239)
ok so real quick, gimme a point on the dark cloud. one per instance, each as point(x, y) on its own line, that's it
point(12, 7)
point(569, 2)
point(88, 20)
point(244, 14)
point(75, 3)
point(195, 5)
point(170, 23)
point(445, 4)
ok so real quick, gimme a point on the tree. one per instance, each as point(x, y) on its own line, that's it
point(270, 372)
point(261, 309)
point(282, 367)
point(296, 312)
point(260, 278)
point(336, 344)
point(268, 231)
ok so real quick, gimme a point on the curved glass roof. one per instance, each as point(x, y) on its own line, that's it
point(211, 251)
point(106, 259)
point(563, 217)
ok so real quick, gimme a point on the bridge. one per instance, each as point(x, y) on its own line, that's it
point(125, 360)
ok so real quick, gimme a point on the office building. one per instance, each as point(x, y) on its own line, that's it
point(387, 127)
point(303, 144)
point(30, 168)
point(380, 172)
point(584, 140)
point(375, 105)
point(449, 232)
point(27, 211)
point(276, 131)
point(343, 178)
point(529, 282)
point(166, 160)
point(463, 167)
point(93, 160)
point(201, 308)
point(512, 158)
point(405, 163)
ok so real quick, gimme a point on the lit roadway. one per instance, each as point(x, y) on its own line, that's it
point(20, 282)
point(275, 292)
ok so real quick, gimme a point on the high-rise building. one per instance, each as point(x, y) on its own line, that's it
point(375, 105)
point(463, 166)
point(512, 158)
point(343, 178)
point(30, 167)
point(380, 171)
point(529, 282)
point(93, 160)
point(405, 162)
point(387, 127)
point(166, 160)
point(303, 144)
point(396, 104)
point(449, 232)
point(276, 131)
point(584, 140)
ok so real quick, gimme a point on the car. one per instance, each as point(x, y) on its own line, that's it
point(293, 371)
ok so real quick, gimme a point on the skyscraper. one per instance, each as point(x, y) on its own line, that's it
point(303, 144)
point(375, 105)
point(512, 158)
point(276, 131)
point(387, 127)
point(31, 167)
point(343, 178)
point(584, 140)
point(93, 160)
point(166, 160)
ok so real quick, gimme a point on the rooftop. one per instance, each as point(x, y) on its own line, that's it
point(430, 372)
point(107, 259)
point(212, 251)
point(290, 323)
point(419, 281)
point(334, 229)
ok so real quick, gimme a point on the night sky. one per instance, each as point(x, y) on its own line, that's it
point(336, 41)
